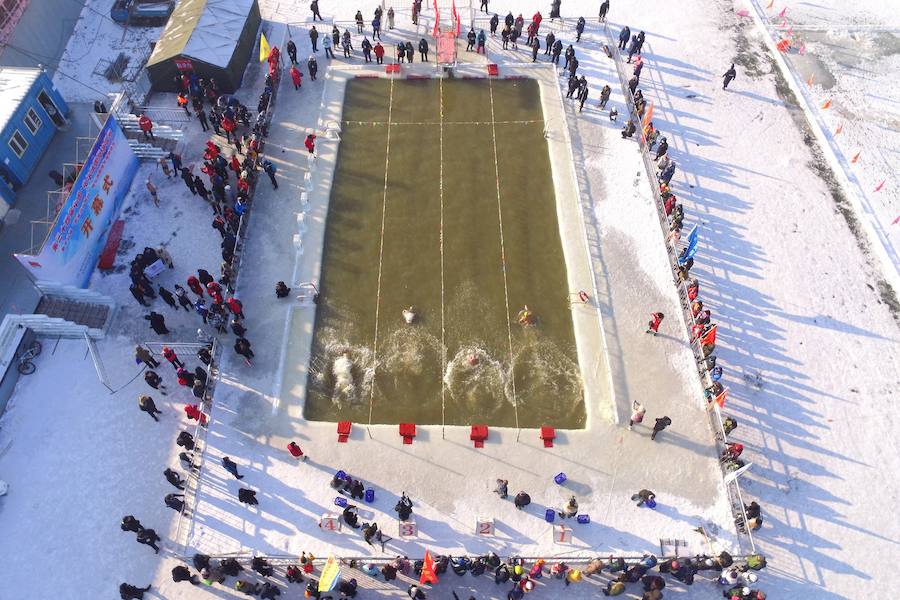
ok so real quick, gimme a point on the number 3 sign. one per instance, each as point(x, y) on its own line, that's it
point(409, 529)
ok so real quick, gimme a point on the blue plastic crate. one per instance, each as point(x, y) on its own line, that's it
point(560, 478)
point(340, 501)
point(550, 515)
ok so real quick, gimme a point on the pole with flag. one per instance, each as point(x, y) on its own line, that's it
point(331, 574)
point(264, 48)
point(691, 250)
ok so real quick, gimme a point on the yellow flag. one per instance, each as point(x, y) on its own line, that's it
point(263, 47)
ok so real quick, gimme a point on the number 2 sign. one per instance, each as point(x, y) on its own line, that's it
point(484, 526)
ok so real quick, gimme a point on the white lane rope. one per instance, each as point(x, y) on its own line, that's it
point(387, 159)
point(441, 197)
point(512, 376)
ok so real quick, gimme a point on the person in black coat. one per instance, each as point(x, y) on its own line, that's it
point(167, 297)
point(157, 322)
point(423, 49)
point(130, 523)
point(175, 502)
point(188, 179)
point(182, 573)
point(247, 496)
point(132, 592)
point(261, 566)
point(495, 21)
point(148, 537)
point(729, 76)
point(174, 478)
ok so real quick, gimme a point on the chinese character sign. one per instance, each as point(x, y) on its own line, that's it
point(76, 239)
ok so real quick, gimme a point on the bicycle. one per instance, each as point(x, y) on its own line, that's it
point(26, 366)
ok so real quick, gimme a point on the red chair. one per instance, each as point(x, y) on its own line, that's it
point(548, 434)
point(407, 432)
point(343, 430)
point(493, 70)
point(478, 435)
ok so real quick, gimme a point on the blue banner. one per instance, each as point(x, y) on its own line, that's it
point(76, 239)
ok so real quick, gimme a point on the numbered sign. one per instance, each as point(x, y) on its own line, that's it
point(330, 522)
point(562, 534)
point(484, 526)
point(408, 529)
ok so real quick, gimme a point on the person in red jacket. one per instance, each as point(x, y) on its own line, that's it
point(296, 452)
point(146, 126)
point(236, 307)
point(185, 378)
point(173, 359)
point(655, 319)
point(296, 77)
point(193, 413)
point(195, 286)
point(310, 143)
point(229, 126)
point(379, 53)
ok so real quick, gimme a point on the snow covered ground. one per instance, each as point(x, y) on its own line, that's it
point(808, 344)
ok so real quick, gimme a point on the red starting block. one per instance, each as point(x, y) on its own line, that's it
point(343, 430)
point(395, 68)
point(493, 70)
point(478, 435)
point(548, 434)
point(407, 432)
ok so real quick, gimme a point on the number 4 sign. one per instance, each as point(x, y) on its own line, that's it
point(484, 526)
point(408, 529)
point(562, 534)
point(330, 522)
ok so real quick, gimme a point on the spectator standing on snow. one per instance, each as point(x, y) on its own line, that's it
point(296, 77)
point(204, 122)
point(604, 8)
point(183, 299)
point(172, 357)
point(326, 45)
point(132, 592)
point(557, 50)
point(379, 53)
point(146, 126)
point(661, 424)
point(242, 347)
point(535, 48)
point(494, 22)
point(231, 467)
point(663, 148)
point(247, 496)
point(313, 67)
point(655, 320)
point(502, 488)
point(423, 50)
point(310, 143)
point(146, 404)
point(314, 7)
point(582, 94)
point(624, 36)
point(269, 167)
point(143, 355)
point(130, 523)
point(729, 76)
point(579, 29)
point(643, 497)
point(182, 573)
point(367, 50)
point(153, 379)
point(604, 96)
point(148, 537)
point(157, 323)
point(296, 452)
point(522, 500)
point(292, 47)
point(470, 40)
point(637, 414)
point(152, 190)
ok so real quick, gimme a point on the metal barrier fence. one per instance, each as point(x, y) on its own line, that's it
point(715, 416)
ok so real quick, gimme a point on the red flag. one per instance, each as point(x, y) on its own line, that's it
point(437, 17)
point(839, 129)
point(879, 186)
point(709, 337)
point(455, 16)
point(783, 10)
point(428, 575)
point(771, 2)
point(827, 104)
point(855, 157)
point(720, 399)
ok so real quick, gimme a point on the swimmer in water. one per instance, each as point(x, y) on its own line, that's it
point(409, 315)
point(525, 317)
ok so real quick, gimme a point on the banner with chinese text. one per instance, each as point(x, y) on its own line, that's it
point(76, 239)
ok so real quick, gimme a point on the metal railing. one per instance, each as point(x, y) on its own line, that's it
point(713, 412)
